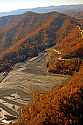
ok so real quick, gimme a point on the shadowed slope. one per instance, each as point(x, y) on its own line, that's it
point(20, 29)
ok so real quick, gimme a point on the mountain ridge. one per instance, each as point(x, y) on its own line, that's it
point(61, 8)
point(16, 30)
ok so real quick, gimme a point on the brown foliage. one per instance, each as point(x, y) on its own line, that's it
point(49, 23)
point(72, 41)
point(57, 64)
point(61, 106)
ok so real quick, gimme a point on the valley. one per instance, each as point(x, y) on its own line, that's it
point(41, 57)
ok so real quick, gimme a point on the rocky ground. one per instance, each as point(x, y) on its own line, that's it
point(17, 88)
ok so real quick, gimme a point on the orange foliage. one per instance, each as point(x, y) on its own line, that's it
point(61, 106)
point(72, 41)
point(14, 48)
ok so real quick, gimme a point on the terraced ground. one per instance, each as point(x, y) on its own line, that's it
point(17, 88)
